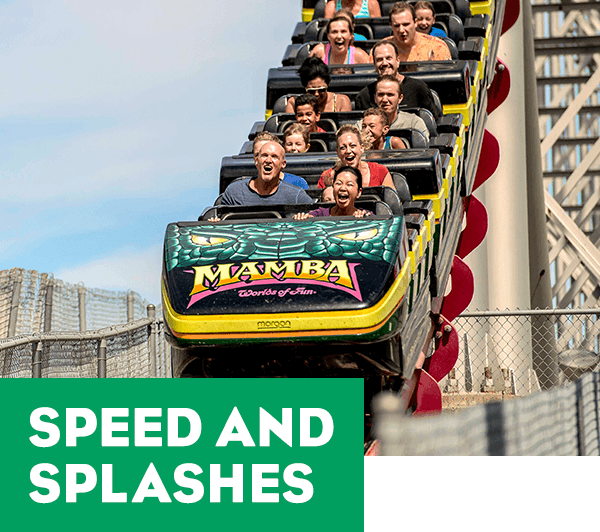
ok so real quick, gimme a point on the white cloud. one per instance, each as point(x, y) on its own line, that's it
point(126, 269)
point(117, 161)
point(64, 55)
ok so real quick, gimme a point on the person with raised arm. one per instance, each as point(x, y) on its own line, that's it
point(375, 127)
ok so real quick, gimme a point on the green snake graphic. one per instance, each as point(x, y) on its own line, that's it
point(375, 240)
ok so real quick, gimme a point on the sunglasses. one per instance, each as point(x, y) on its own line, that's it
point(316, 90)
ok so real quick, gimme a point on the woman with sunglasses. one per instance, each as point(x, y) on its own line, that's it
point(339, 49)
point(315, 78)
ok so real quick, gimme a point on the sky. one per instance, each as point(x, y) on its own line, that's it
point(114, 118)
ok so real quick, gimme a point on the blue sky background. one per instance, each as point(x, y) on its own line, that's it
point(114, 118)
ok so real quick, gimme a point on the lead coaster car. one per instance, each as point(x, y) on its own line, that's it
point(255, 295)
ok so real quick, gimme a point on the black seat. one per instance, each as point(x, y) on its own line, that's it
point(451, 46)
point(387, 195)
point(303, 53)
point(363, 29)
point(281, 103)
point(284, 125)
point(425, 115)
point(393, 201)
point(381, 208)
point(440, 6)
point(451, 80)
point(415, 138)
point(402, 190)
point(421, 167)
point(437, 102)
point(453, 26)
point(319, 9)
point(318, 145)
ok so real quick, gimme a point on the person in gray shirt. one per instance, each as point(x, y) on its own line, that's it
point(266, 188)
point(388, 94)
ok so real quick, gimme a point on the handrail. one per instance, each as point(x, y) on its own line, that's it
point(107, 332)
point(531, 312)
point(100, 336)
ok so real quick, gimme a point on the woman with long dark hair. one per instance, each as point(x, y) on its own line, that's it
point(315, 78)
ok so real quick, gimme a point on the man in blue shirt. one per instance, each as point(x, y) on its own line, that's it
point(257, 144)
point(267, 188)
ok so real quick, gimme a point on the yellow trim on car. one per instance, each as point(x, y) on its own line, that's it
point(465, 109)
point(439, 205)
point(307, 14)
point(482, 8)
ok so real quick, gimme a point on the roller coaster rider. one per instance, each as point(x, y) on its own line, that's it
point(267, 188)
point(415, 92)
point(359, 8)
point(315, 78)
point(414, 46)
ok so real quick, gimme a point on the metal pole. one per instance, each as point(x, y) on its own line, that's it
point(102, 359)
point(36, 366)
point(151, 311)
point(14, 305)
point(129, 306)
point(468, 367)
point(579, 415)
point(544, 352)
point(48, 306)
point(82, 316)
point(507, 206)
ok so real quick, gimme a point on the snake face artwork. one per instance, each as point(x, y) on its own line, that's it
point(292, 266)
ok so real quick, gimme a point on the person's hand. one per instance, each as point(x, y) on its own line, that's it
point(302, 216)
point(360, 213)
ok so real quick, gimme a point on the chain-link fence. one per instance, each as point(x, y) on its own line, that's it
point(564, 421)
point(33, 302)
point(513, 354)
point(133, 350)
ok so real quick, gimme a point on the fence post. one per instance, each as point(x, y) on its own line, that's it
point(48, 306)
point(579, 414)
point(151, 311)
point(14, 306)
point(468, 367)
point(82, 316)
point(102, 359)
point(129, 306)
point(36, 366)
